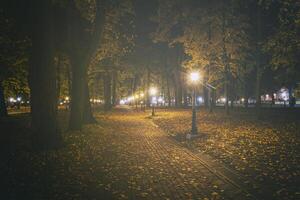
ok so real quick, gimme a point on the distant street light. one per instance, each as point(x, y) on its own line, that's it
point(152, 92)
point(194, 78)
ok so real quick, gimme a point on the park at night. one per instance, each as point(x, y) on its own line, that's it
point(150, 99)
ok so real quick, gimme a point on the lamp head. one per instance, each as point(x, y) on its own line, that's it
point(195, 76)
point(152, 91)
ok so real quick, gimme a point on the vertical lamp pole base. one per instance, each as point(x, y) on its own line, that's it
point(194, 131)
point(194, 123)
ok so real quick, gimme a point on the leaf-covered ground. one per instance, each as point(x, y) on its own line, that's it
point(265, 150)
point(127, 156)
point(124, 156)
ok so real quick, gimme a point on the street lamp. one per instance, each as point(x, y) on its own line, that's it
point(152, 92)
point(194, 78)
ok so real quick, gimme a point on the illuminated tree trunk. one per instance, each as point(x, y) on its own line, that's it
point(69, 76)
point(58, 80)
point(210, 91)
point(3, 109)
point(205, 90)
point(184, 93)
point(42, 79)
point(225, 60)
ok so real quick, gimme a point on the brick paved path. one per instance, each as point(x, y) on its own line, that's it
point(143, 163)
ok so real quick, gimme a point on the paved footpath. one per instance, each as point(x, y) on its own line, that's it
point(144, 163)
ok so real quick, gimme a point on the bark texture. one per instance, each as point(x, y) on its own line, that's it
point(42, 79)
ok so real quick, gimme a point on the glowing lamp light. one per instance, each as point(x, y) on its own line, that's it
point(19, 99)
point(12, 100)
point(160, 99)
point(67, 98)
point(195, 76)
point(200, 99)
point(153, 91)
point(122, 102)
point(154, 100)
point(130, 98)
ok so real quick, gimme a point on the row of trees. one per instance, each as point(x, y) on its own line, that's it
point(62, 40)
point(232, 42)
point(109, 49)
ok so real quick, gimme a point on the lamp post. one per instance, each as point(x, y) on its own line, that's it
point(152, 92)
point(194, 78)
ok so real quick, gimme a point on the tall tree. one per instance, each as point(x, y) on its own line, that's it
point(42, 76)
point(84, 33)
point(13, 61)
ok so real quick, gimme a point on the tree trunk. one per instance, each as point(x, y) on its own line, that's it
point(107, 91)
point(135, 84)
point(148, 87)
point(246, 93)
point(257, 89)
point(213, 99)
point(114, 87)
point(226, 88)
point(258, 58)
point(225, 60)
point(88, 117)
point(168, 91)
point(184, 95)
point(58, 80)
point(205, 90)
point(42, 79)
point(3, 109)
point(77, 93)
point(210, 99)
point(232, 94)
point(178, 89)
point(81, 48)
point(246, 104)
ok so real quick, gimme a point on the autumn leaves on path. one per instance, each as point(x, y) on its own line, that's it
point(140, 161)
point(124, 156)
